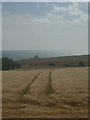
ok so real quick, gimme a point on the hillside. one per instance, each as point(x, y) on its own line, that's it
point(67, 61)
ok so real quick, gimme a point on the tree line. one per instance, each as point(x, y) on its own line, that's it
point(8, 63)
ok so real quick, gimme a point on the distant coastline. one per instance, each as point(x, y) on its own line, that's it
point(29, 54)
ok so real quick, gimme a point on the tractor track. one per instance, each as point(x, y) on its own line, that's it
point(50, 89)
point(27, 89)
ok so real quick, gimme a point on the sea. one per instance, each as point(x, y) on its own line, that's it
point(28, 54)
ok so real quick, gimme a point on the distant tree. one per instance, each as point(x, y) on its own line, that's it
point(52, 64)
point(81, 63)
point(17, 65)
point(8, 63)
point(66, 65)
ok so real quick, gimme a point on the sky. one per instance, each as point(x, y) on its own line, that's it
point(44, 0)
point(45, 26)
point(0, 26)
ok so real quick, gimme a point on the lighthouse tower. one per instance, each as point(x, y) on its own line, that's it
point(36, 57)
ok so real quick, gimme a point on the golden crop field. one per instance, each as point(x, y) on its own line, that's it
point(45, 93)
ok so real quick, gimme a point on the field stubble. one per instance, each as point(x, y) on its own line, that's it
point(61, 93)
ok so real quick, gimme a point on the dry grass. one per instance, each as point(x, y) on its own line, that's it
point(25, 93)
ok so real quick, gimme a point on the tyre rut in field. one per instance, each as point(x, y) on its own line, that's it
point(51, 92)
point(26, 90)
point(50, 89)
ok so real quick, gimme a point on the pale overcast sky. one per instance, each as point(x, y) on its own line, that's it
point(45, 26)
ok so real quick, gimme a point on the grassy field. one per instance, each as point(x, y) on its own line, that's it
point(45, 93)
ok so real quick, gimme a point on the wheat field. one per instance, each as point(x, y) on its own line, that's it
point(45, 93)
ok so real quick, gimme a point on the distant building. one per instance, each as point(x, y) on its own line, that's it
point(36, 57)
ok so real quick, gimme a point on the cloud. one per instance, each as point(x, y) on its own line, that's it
point(55, 30)
point(40, 20)
point(71, 13)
